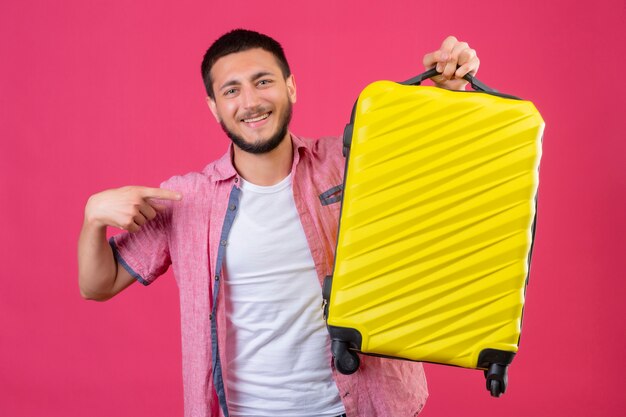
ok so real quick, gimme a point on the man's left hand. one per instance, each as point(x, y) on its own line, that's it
point(451, 54)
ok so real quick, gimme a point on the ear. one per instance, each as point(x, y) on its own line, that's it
point(213, 108)
point(291, 88)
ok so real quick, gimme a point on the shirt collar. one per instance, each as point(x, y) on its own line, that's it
point(224, 168)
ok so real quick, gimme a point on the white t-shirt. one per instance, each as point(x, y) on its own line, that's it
point(277, 354)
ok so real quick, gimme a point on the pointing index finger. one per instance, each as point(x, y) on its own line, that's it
point(161, 193)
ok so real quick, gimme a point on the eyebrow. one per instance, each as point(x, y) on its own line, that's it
point(254, 77)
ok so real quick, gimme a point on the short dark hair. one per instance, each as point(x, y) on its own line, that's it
point(239, 40)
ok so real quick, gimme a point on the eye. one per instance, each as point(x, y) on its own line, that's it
point(229, 92)
point(264, 82)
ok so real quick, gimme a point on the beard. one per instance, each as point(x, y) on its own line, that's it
point(261, 146)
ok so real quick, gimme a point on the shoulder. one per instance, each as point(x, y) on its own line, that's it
point(321, 144)
point(185, 182)
point(329, 144)
point(327, 149)
point(197, 189)
point(194, 179)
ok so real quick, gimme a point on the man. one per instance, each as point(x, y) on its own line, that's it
point(250, 239)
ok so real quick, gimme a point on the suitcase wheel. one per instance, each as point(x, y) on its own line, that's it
point(494, 388)
point(497, 378)
point(346, 361)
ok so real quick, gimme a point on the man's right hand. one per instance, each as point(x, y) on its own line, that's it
point(128, 207)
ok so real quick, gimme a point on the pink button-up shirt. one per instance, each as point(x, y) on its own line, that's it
point(191, 235)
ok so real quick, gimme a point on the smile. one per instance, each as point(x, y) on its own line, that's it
point(257, 119)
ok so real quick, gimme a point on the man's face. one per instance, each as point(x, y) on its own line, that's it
point(252, 99)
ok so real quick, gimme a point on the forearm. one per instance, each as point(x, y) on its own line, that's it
point(97, 268)
point(99, 275)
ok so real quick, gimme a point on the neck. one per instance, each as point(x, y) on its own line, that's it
point(268, 168)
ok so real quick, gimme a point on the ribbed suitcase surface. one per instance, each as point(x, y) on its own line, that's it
point(436, 226)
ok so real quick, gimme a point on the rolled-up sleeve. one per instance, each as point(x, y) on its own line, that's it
point(145, 254)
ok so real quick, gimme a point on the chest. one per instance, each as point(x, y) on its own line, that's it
point(266, 235)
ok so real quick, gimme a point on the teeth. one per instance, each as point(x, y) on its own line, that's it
point(256, 119)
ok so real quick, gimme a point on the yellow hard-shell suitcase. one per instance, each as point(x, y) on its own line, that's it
point(436, 228)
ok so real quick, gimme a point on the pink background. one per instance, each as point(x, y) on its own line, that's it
point(100, 94)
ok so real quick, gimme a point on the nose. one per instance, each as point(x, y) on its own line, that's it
point(249, 97)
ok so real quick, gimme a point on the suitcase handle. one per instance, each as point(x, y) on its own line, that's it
point(474, 82)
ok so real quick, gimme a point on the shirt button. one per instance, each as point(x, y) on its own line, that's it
point(232, 207)
point(223, 243)
point(236, 179)
point(210, 316)
point(217, 277)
